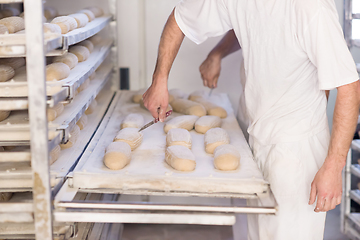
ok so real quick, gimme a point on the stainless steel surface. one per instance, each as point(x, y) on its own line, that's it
point(38, 121)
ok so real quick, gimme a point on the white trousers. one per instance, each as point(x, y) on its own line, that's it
point(290, 169)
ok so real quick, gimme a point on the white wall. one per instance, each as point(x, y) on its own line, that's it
point(138, 51)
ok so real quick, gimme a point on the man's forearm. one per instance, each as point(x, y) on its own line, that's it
point(344, 122)
point(228, 44)
point(169, 46)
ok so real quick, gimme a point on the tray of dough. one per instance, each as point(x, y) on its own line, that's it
point(17, 87)
point(149, 174)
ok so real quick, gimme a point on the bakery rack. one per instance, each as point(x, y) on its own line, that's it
point(25, 170)
point(350, 217)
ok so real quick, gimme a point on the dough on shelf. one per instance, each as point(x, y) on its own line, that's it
point(88, 13)
point(52, 28)
point(178, 136)
point(131, 136)
point(13, 24)
point(212, 109)
point(81, 52)
point(3, 29)
point(82, 121)
point(204, 123)
point(68, 58)
point(91, 108)
point(54, 112)
point(180, 158)
point(214, 138)
point(4, 115)
point(54, 154)
point(66, 23)
point(226, 157)
point(188, 107)
point(196, 94)
point(15, 63)
point(117, 155)
point(6, 73)
point(73, 137)
point(186, 122)
point(81, 19)
point(88, 44)
point(57, 71)
point(133, 120)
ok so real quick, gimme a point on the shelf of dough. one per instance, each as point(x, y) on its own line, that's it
point(147, 172)
point(353, 219)
point(13, 93)
point(15, 169)
point(14, 45)
point(83, 33)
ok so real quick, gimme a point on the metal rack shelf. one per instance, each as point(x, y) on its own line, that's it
point(355, 195)
point(83, 33)
point(76, 109)
point(355, 169)
point(13, 45)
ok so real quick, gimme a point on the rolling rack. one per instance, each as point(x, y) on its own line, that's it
point(25, 171)
point(77, 197)
point(350, 215)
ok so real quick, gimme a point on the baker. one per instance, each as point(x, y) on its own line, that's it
point(294, 51)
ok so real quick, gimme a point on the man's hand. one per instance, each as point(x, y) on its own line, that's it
point(327, 186)
point(210, 71)
point(156, 99)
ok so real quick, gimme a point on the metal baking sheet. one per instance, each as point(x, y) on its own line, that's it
point(148, 169)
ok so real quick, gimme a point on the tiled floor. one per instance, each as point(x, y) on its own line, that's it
point(196, 232)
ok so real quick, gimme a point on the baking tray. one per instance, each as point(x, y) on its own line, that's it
point(148, 173)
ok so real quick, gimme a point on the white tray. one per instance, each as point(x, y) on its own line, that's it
point(148, 172)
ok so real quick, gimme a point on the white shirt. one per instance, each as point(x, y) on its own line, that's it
point(293, 50)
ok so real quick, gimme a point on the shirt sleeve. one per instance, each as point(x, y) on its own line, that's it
point(324, 43)
point(201, 19)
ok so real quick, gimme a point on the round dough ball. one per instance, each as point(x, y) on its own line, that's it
point(226, 158)
point(117, 155)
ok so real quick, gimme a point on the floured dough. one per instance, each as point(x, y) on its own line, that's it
point(73, 137)
point(84, 85)
point(211, 109)
point(82, 121)
point(214, 138)
point(54, 154)
point(195, 95)
point(133, 120)
point(68, 58)
point(188, 107)
point(226, 157)
point(138, 95)
point(186, 122)
point(180, 158)
point(91, 108)
point(178, 136)
point(203, 124)
point(4, 115)
point(131, 136)
point(57, 71)
point(117, 155)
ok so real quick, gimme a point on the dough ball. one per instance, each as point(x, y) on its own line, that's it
point(69, 59)
point(186, 122)
point(117, 155)
point(131, 136)
point(226, 157)
point(91, 108)
point(180, 158)
point(188, 107)
point(133, 120)
point(178, 136)
point(203, 124)
point(214, 138)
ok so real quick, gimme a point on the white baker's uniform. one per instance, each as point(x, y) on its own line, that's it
point(293, 50)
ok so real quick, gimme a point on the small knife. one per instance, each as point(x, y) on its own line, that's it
point(168, 113)
point(211, 91)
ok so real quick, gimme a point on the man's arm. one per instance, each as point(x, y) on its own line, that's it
point(156, 98)
point(327, 184)
point(210, 68)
